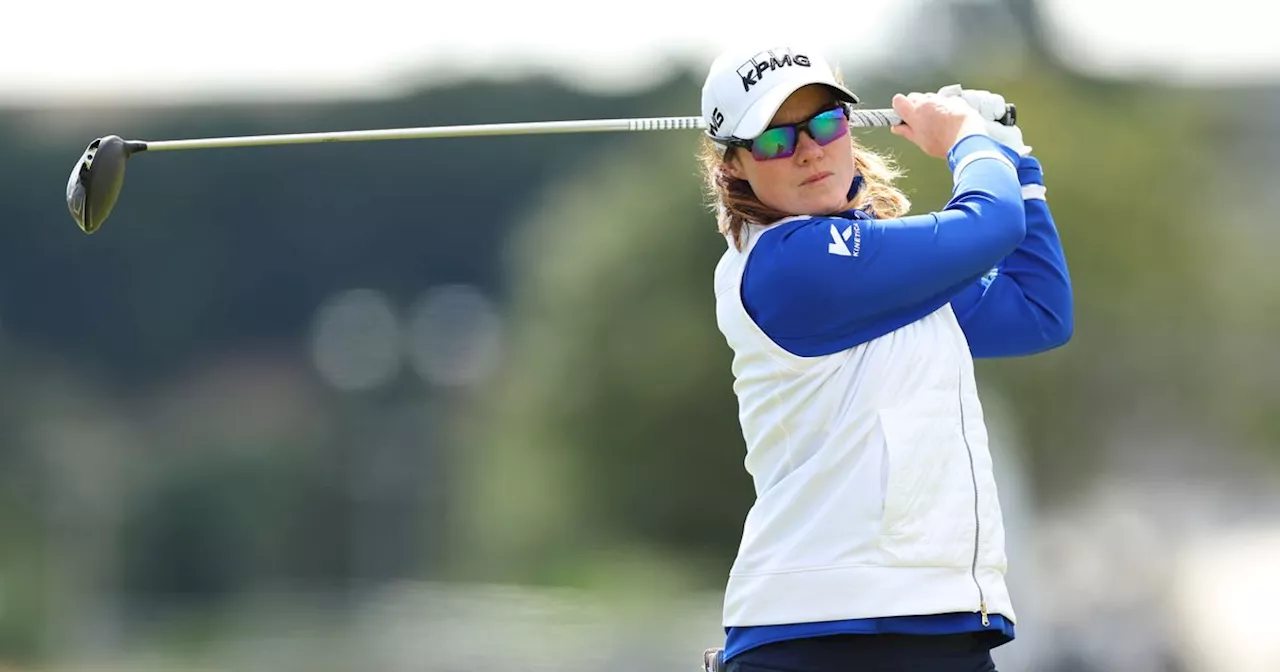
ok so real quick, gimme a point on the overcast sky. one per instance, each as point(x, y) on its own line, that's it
point(56, 50)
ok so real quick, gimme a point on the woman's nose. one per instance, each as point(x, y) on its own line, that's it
point(807, 149)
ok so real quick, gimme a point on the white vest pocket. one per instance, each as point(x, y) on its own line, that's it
point(929, 517)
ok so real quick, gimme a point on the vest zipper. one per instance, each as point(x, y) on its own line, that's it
point(977, 519)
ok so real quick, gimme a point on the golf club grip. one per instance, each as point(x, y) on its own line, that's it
point(871, 118)
point(1010, 117)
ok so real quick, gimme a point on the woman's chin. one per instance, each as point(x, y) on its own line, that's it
point(836, 203)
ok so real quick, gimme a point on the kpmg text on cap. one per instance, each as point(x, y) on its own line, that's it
point(754, 69)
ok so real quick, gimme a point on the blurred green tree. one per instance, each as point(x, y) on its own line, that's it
point(615, 419)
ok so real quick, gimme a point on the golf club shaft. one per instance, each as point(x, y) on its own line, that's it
point(858, 118)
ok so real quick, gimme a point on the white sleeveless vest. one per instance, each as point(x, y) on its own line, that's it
point(875, 494)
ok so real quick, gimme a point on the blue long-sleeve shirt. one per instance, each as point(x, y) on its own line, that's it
point(823, 284)
point(820, 285)
point(1025, 304)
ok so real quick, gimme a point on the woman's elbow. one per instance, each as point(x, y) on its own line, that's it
point(1061, 334)
point(1060, 324)
point(1012, 219)
point(1001, 216)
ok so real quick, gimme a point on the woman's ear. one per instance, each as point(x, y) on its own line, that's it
point(733, 165)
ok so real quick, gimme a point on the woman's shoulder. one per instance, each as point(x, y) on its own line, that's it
point(788, 227)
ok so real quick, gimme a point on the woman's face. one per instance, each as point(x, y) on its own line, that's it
point(816, 179)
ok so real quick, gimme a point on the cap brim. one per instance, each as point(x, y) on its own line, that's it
point(758, 116)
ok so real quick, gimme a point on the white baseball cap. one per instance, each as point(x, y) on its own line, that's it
point(746, 86)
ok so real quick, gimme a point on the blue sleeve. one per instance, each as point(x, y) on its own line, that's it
point(824, 284)
point(1024, 305)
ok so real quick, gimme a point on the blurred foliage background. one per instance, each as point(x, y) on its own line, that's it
point(454, 404)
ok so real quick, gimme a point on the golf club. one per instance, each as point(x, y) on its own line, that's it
point(96, 180)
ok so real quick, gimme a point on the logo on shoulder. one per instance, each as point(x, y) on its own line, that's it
point(839, 244)
point(767, 61)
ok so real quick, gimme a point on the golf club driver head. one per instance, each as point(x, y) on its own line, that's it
point(96, 180)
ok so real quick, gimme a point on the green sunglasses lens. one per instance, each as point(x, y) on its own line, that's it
point(775, 143)
point(828, 126)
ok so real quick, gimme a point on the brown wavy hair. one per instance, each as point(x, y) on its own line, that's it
point(736, 205)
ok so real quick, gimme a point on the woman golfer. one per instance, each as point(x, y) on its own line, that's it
point(875, 542)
